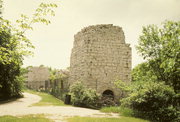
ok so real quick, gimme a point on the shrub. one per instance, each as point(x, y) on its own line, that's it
point(83, 97)
point(57, 92)
point(154, 101)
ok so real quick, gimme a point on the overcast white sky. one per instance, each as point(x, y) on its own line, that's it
point(54, 42)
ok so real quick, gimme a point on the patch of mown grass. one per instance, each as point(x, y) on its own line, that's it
point(27, 118)
point(89, 119)
point(121, 110)
point(46, 99)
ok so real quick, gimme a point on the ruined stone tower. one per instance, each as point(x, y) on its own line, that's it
point(99, 57)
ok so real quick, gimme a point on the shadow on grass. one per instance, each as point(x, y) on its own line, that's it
point(9, 100)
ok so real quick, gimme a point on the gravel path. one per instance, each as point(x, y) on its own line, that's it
point(57, 113)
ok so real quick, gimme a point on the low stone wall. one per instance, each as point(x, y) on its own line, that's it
point(36, 85)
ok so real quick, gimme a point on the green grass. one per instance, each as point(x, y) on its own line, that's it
point(121, 110)
point(47, 99)
point(89, 119)
point(27, 118)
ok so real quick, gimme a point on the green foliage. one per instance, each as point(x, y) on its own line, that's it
point(83, 97)
point(123, 111)
point(10, 62)
point(58, 92)
point(143, 72)
point(122, 85)
point(54, 74)
point(147, 95)
point(154, 101)
point(40, 15)
point(27, 118)
point(129, 88)
point(161, 47)
point(57, 79)
point(14, 46)
point(1, 7)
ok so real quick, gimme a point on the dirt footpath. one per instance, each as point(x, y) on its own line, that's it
point(56, 113)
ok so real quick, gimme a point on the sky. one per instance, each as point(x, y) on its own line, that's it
point(54, 42)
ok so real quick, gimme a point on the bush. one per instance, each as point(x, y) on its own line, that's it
point(58, 92)
point(154, 101)
point(84, 97)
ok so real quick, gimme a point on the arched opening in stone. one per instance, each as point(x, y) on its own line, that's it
point(108, 94)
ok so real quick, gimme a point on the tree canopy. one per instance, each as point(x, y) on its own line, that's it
point(0, 7)
point(161, 48)
point(142, 72)
point(14, 45)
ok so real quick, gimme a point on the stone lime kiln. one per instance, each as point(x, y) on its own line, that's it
point(99, 57)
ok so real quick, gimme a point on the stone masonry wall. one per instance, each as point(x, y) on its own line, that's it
point(36, 77)
point(99, 57)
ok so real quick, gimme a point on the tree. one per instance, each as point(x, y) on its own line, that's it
point(153, 94)
point(14, 45)
point(1, 7)
point(142, 72)
point(9, 63)
point(161, 47)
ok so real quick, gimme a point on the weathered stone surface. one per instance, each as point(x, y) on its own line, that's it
point(99, 57)
point(36, 77)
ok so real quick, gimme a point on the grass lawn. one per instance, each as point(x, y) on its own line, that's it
point(125, 113)
point(47, 99)
point(121, 110)
point(27, 118)
point(89, 119)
